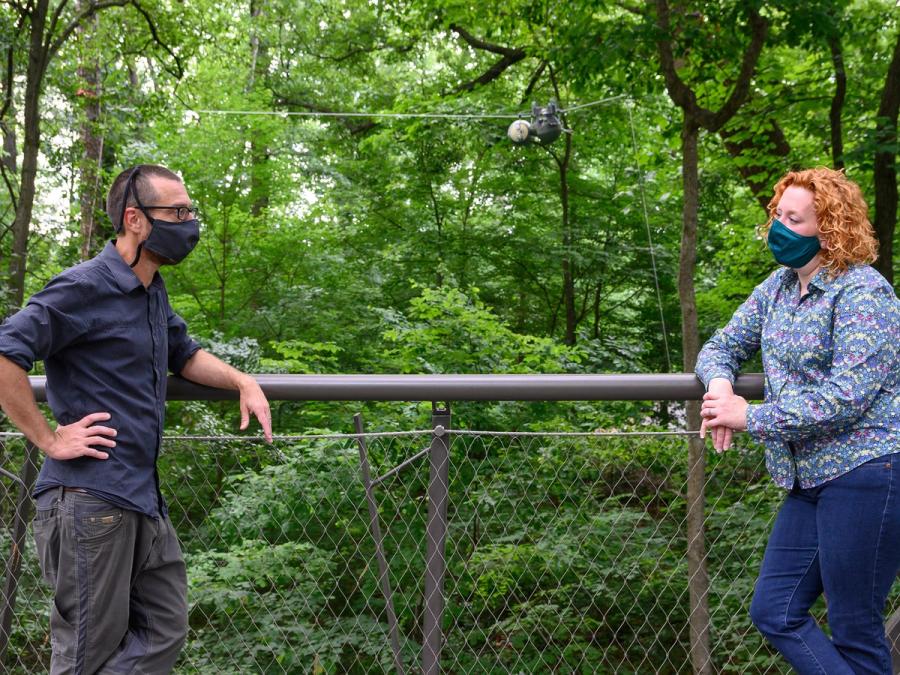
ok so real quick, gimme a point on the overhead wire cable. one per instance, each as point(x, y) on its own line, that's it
point(395, 115)
point(321, 113)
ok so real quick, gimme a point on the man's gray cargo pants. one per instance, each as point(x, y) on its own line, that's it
point(119, 582)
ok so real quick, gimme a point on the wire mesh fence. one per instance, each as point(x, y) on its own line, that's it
point(565, 553)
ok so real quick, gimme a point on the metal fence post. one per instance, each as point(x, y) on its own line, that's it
point(14, 562)
point(436, 539)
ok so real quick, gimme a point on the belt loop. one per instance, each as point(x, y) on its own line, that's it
point(62, 493)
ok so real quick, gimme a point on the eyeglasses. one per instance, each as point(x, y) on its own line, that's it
point(181, 212)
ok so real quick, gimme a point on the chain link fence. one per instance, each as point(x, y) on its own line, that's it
point(565, 553)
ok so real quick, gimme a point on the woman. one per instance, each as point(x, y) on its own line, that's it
point(828, 326)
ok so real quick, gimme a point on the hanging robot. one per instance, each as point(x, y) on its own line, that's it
point(544, 128)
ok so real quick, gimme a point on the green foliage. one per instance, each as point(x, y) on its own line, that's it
point(297, 356)
point(446, 332)
point(380, 244)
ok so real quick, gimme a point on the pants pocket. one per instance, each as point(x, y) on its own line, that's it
point(45, 528)
point(96, 520)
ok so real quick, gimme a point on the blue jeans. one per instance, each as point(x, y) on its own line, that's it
point(841, 538)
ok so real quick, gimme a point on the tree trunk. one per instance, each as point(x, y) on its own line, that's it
point(837, 102)
point(698, 577)
point(568, 271)
point(10, 169)
point(21, 225)
point(92, 153)
point(259, 152)
point(885, 169)
point(224, 273)
point(695, 118)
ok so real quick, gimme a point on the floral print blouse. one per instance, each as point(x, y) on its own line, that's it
point(832, 371)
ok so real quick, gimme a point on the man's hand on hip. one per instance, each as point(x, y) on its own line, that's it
point(75, 440)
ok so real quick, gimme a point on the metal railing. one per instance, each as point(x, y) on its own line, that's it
point(445, 548)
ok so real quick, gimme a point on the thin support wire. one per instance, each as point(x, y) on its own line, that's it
point(637, 163)
point(593, 103)
point(384, 576)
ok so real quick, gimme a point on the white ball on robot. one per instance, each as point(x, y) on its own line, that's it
point(518, 131)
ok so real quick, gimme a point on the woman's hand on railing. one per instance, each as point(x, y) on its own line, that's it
point(723, 413)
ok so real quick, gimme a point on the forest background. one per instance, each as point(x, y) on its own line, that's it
point(418, 238)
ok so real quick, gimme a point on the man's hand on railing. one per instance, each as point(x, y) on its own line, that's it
point(253, 401)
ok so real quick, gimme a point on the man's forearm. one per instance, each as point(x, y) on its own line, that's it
point(17, 401)
point(204, 368)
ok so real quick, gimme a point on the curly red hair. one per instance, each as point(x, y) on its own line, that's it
point(841, 213)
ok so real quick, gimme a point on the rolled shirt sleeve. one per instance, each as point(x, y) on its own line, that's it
point(47, 324)
point(181, 346)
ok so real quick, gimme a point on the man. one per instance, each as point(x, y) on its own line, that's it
point(108, 337)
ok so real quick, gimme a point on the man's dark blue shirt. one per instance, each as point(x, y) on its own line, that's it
point(107, 344)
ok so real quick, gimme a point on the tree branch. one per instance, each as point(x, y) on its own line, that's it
point(54, 22)
point(532, 83)
point(634, 9)
point(759, 28)
point(53, 46)
point(481, 44)
point(837, 102)
point(355, 51)
point(8, 79)
point(9, 187)
point(20, 8)
point(95, 7)
point(683, 96)
point(179, 68)
point(548, 299)
point(511, 56)
point(7, 227)
point(890, 95)
point(763, 147)
point(10, 66)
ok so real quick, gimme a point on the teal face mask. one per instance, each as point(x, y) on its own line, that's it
point(790, 248)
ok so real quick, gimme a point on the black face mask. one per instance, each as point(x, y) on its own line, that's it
point(170, 240)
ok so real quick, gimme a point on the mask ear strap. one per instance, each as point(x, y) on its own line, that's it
point(126, 193)
point(131, 189)
point(138, 256)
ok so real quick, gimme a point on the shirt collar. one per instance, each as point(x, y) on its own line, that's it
point(821, 280)
point(124, 276)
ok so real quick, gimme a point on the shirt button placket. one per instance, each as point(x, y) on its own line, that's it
point(153, 316)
